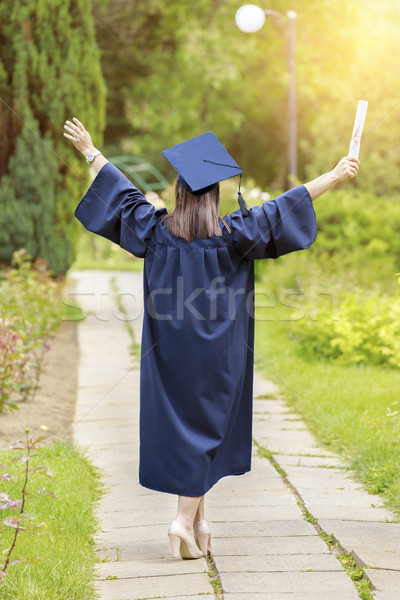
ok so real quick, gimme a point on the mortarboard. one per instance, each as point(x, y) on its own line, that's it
point(201, 163)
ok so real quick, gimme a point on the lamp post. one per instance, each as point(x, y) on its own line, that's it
point(251, 18)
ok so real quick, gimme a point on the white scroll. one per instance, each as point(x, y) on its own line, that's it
point(358, 128)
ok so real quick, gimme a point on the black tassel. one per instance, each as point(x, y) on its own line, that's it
point(242, 202)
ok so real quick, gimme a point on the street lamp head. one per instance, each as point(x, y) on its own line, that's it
point(250, 18)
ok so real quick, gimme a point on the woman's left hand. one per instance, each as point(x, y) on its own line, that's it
point(347, 167)
point(79, 136)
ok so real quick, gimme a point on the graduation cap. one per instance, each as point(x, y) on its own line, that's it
point(201, 163)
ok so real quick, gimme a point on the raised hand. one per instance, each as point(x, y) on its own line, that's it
point(347, 167)
point(79, 136)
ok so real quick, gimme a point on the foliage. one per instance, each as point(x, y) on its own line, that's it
point(96, 252)
point(355, 226)
point(358, 245)
point(365, 329)
point(24, 523)
point(67, 568)
point(353, 410)
point(49, 71)
point(30, 312)
point(340, 299)
point(178, 69)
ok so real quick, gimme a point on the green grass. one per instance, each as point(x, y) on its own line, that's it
point(68, 566)
point(350, 409)
point(72, 311)
point(95, 252)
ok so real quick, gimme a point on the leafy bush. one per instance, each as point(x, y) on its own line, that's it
point(30, 312)
point(357, 228)
point(49, 71)
point(358, 244)
point(366, 330)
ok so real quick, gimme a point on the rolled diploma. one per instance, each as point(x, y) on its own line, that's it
point(358, 128)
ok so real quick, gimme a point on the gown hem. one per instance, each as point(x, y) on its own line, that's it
point(207, 488)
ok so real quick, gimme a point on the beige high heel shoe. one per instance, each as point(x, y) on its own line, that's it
point(202, 535)
point(181, 543)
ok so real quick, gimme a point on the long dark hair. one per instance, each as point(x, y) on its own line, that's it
point(195, 215)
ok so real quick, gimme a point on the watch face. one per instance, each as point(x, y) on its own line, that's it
point(89, 157)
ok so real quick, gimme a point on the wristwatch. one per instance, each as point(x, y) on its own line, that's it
point(90, 157)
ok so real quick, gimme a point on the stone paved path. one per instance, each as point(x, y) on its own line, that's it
point(262, 546)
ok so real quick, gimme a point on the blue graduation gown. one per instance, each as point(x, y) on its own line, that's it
point(196, 373)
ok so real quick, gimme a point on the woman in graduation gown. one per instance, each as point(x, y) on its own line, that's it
point(196, 370)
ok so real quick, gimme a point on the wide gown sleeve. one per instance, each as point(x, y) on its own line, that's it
point(115, 209)
point(276, 227)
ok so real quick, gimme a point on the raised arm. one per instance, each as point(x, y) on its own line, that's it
point(346, 167)
point(112, 206)
point(83, 142)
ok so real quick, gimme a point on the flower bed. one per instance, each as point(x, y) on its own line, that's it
point(30, 312)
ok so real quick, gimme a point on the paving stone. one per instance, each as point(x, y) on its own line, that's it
point(272, 406)
point(320, 476)
point(253, 546)
point(346, 513)
point(264, 407)
point(130, 549)
point(309, 461)
point(375, 544)
point(191, 597)
point(278, 497)
point(343, 497)
point(276, 423)
point(111, 413)
point(131, 516)
point(295, 438)
point(384, 580)
point(135, 533)
point(289, 582)
point(277, 445)
point(257, 513)
point(150, 567)
point(278, 563)
point(152, 587)
point(115, 524)
point(249, 483)
point(386, 595)
point(262, 386)
point(262, 528)
point(260, 595)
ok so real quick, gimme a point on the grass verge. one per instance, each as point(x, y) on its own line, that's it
point(96, 252)
point(356, 574)
point(352, 410)
point(67, 568)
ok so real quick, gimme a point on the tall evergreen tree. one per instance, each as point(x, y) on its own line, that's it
point(49, 72)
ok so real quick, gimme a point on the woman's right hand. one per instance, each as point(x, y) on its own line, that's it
point(79, 136)
point(347, 167)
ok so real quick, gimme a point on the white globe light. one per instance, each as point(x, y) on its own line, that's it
point(250, 18)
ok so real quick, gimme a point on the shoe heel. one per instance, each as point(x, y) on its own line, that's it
point(175, 544)
point(204, 542)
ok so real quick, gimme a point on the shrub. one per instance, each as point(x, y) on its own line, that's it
point(30, 312)
point(365, 331)
point(49, 71)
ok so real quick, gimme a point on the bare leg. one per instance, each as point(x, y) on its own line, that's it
point(202, 529)
point(187, 509)
point(200, 511)
point(182, 528)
